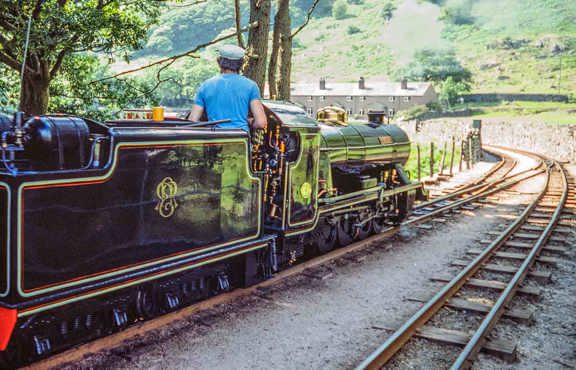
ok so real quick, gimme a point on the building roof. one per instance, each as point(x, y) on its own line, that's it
point(352, 89)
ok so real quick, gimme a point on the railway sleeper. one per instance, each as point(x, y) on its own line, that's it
point(499, 347)
point(470, 305)
point(490, 284)
point(520, 235)
point(518, 256)
point(559, 230)
point(541, 276)
point(527, 245)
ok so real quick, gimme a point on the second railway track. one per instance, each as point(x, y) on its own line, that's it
point(523, 242)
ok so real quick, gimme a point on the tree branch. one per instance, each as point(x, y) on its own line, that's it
point(308, 17)
point(173, 58)
point(7, 25)
point(9, 61)
point(237, 16)
point(60, 58)
point(4, 42)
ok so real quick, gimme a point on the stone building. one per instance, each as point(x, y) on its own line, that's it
point(362, 97)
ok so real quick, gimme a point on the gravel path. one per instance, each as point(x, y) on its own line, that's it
point(332, 317)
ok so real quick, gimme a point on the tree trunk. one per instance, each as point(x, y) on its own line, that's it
point(285, 60)
point(35, 94)
point(255, 68)
point(273, 65)
point(281, 29)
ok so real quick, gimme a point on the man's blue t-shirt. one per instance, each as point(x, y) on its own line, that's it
point(228, 96)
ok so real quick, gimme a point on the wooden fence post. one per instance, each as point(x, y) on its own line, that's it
point(452, 156)
point(461, 155)
point(418, 160)
point(471, 156)
point(431, 160)
point(468, 153)
point(442, 160)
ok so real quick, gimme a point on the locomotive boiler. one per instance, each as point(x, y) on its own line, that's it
point(106, 224)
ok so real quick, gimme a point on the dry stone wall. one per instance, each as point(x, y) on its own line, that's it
point(556, 141)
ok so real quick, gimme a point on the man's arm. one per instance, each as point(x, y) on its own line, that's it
point(196, 113)
point(257, 110)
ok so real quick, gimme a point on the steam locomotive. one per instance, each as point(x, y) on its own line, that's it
point(105, 224)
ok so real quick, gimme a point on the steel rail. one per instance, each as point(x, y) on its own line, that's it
point(506, 184)
point(479, 337)
point(474, 186)
point(384, 353)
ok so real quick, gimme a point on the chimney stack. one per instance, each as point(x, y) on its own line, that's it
point(404, 83)
point(361, 83)
point(322, 83)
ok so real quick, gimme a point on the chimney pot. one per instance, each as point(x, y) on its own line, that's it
point(404, 84)
point(322, 83)
point(361, 83)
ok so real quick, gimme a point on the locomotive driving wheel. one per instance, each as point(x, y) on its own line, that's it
point(146, 303)
point(363, 227)
point(379, 221)
point(325, 236)
point(346, 231)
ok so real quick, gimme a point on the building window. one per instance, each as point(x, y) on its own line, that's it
point(349, 112)
point(309, 111)
point(362, 112)
point(322, 98)
point(362, 98)
point(310, 98)
point(390, 112)
point(391, 98)
point(349, 98)
point(406, 99)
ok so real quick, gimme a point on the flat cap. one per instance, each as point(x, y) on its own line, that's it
point(231, 52)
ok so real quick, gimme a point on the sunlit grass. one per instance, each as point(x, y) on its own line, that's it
point(548, 112)
point(412, 165)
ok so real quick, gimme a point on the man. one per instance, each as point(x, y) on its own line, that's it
point(230, 95)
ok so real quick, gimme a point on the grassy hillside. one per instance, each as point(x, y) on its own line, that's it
point(510, 46)
point(521, 46)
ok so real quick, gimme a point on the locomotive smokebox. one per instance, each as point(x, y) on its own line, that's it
point(57, 143)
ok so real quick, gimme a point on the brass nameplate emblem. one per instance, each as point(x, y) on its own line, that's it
point(166, 193)
point(385, 139)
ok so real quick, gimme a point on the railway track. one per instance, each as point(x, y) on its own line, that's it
point(497, 179)
point(523, 242)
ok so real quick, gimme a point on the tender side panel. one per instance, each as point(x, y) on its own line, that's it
point(4, 230)
point(160, 203)
point(304, 181)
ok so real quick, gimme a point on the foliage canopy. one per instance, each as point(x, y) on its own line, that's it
point(63, 28)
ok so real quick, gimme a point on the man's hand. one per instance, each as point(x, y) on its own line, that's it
point(196, 113)
point(257, 110)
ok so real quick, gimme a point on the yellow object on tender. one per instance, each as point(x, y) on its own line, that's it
point(333, 116)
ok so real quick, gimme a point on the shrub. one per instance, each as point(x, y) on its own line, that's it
point(353, 29)
point(388, 11)
point(340, 9)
